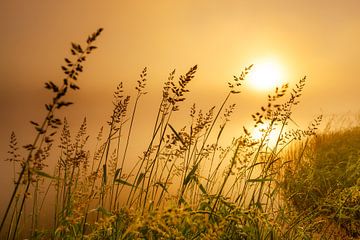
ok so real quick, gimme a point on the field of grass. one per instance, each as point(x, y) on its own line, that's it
point(187, 184)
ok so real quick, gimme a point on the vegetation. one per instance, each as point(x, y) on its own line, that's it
point(325, 179)
point(186, 184)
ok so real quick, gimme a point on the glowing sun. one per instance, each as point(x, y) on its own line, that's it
point(266, 75)
point(262, 131)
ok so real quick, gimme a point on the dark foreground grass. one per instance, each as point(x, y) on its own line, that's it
point(186, 185)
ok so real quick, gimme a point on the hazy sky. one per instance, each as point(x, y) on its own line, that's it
point(319, 39)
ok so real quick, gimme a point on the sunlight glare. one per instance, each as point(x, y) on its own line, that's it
point(266, 75)
point(258, 133)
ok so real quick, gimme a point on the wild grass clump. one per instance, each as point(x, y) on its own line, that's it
point(187, 184)
point(33, 163)
point(324, 178)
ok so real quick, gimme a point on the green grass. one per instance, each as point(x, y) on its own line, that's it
point(187, 184)
point(325, 178)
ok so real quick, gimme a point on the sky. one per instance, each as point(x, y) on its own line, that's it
point(318, 39)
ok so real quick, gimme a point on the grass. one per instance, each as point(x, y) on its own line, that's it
point(187, 184)
point(325, 179)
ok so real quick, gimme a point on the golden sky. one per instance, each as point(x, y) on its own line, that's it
point(319, 39)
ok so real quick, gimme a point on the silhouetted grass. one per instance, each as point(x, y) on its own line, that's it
point(186, 185)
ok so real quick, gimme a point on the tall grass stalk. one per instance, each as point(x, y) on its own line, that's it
point(187, 184)
point(33, 161)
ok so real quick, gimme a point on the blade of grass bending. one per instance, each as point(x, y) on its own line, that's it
point(117, 173)
point(201, 187)
point(190, 175)
point(121, 181)
point(162, 185)
point(102, 210)
point(44, 174)
point(260, 180)
point(176, 134)
point(141, 176)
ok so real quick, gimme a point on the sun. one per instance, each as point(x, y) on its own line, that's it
point(262, 131)
point(266, 75)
